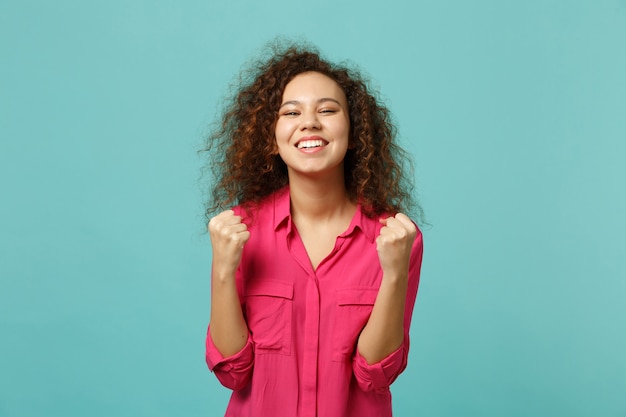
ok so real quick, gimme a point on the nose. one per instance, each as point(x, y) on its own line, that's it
point(310, 121)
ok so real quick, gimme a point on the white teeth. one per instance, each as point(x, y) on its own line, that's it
point(310, 144)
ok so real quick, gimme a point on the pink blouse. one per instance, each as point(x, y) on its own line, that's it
point(301, 357)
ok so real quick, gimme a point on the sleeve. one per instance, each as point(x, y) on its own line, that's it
point(235, 371)
point(379, 376)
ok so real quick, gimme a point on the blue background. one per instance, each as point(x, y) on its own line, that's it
point(515, 112)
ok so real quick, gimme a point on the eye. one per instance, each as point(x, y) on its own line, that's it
point(328, 111)
point(290, 113)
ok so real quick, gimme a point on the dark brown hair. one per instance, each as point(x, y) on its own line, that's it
point(242, 148)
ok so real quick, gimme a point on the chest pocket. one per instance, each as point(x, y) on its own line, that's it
point(354, 306)
point(269, 310)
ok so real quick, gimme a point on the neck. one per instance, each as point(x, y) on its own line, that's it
point(319, 199)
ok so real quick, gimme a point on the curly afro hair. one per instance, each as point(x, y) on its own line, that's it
point(242, 147)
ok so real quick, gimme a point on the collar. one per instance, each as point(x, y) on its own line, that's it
point(282, 208)
point(282, 216)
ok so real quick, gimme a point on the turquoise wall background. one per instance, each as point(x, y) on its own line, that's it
point(515, 112)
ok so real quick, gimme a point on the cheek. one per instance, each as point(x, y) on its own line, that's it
point(282, 132)
point(344, 129)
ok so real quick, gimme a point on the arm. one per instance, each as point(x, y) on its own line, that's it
point(380, 375)
point(384, 332)
point(229, 350)
point(228, 329)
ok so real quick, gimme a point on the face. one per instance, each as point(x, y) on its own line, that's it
point(313, 126)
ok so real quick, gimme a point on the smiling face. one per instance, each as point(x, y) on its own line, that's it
point(313, 126)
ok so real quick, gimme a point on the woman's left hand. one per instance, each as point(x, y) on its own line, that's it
point(394, 245)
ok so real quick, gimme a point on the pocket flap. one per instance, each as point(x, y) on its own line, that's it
point(269, 288)
point(357, 296)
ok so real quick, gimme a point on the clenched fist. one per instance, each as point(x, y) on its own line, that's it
point(228, 236)
point(394, 245)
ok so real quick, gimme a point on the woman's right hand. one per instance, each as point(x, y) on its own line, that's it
point(228, 237)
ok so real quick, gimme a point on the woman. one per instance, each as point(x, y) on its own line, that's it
point(315, 271)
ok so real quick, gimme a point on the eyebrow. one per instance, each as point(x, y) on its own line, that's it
point(321, 100)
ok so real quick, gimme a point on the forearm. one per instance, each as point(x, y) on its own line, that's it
point(228, 328)
point(384, 332)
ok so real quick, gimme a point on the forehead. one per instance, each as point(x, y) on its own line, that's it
point(313, 85)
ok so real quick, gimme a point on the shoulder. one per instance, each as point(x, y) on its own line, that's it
point(265, 210)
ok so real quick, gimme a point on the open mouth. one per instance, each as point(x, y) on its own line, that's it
point(310, 144)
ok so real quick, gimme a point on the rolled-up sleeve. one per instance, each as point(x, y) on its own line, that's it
point(379, 376)
point(235, 371)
